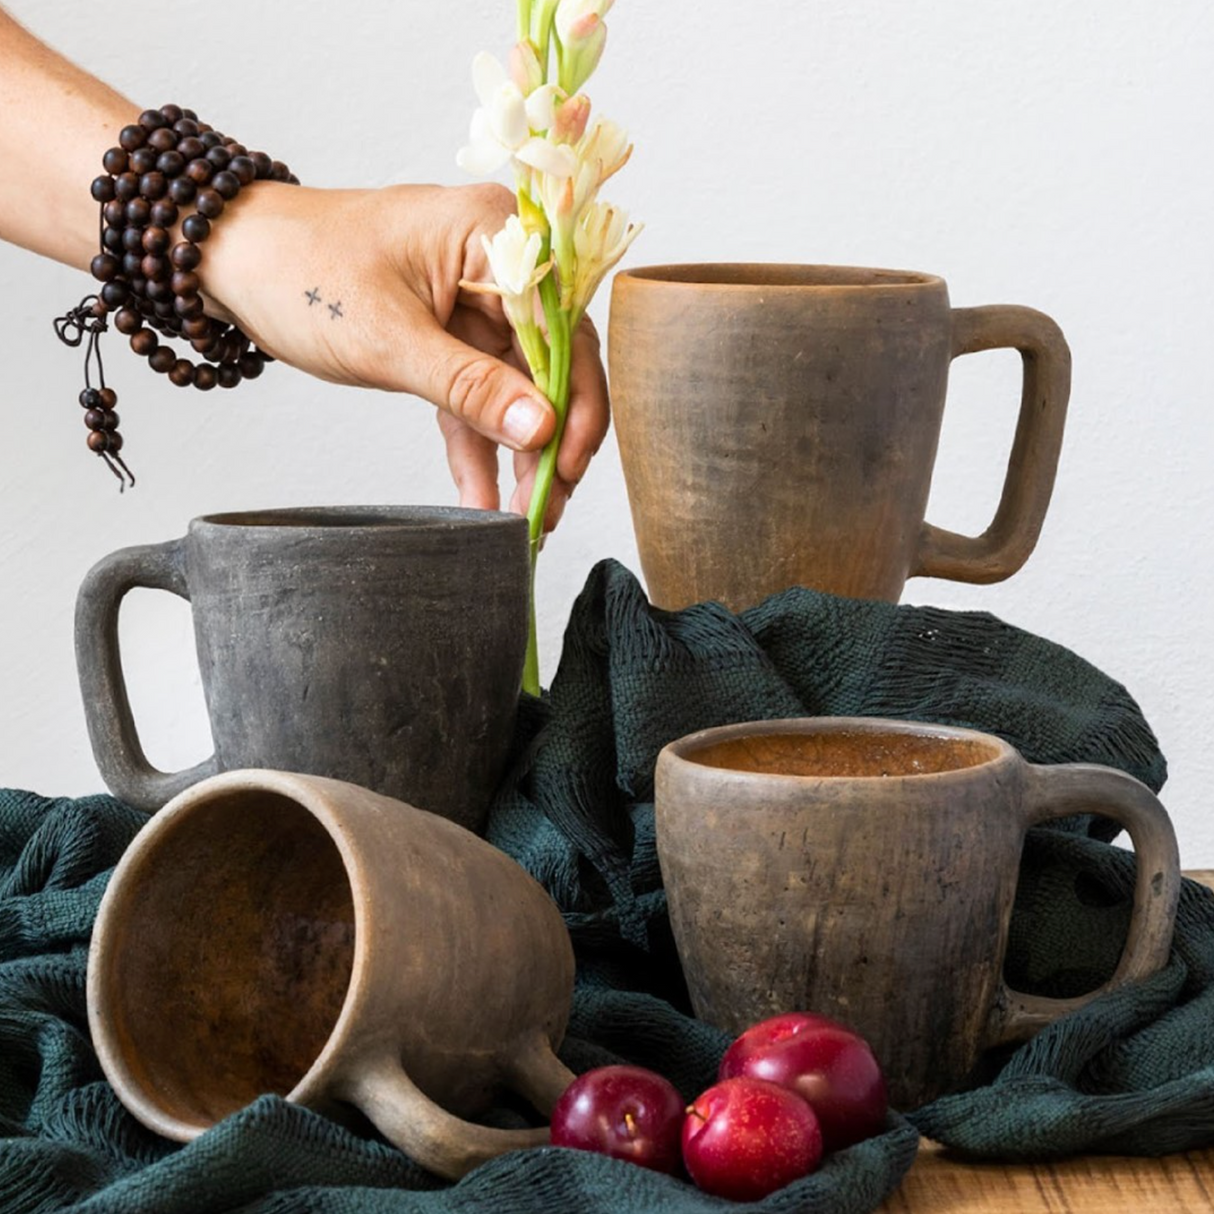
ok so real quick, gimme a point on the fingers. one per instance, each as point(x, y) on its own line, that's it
point(472, 459)
point(525, 467)
point(589, 410)
point(487, 394)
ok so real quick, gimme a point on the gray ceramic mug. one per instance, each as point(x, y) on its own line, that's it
point(382, 645)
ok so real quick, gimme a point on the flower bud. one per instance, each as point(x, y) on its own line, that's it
point(525, 68)
point(570, 119)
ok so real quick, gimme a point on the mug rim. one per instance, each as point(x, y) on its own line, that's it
point(397, 518)
point(683, 749)
point(317, 1080)
point(733, 276)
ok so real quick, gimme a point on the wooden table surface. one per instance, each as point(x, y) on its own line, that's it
point(1091, 1184)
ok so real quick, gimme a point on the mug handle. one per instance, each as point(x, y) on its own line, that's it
point(438, 1140)
point(1074, 788)
point(1006, 544)
point(107, 708)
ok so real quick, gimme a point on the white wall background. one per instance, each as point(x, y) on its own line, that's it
point(1057, 155)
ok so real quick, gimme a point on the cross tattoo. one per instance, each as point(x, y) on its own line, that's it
point(335, 310)
point(313, 296)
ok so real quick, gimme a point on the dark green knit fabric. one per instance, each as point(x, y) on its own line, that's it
point(1134, 1072)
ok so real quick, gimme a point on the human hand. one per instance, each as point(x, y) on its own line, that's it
point(362, 287)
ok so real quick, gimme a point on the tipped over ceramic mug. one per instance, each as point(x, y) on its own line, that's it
point(382, 645)
point(278, 933)
point(866, 869)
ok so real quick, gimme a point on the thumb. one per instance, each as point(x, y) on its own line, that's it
point(491, 396)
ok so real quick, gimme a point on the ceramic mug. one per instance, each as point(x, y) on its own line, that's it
point(866, 870)
point(778, 425)
point(382, 645)
point(271, 932)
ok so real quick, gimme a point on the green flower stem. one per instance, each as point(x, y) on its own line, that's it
point(524, 19)
point(559, 363)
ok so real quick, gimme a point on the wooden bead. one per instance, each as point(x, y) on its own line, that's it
point(132, 265)
point(89, 398)
point(163, 309)
point(144, 342)
point(161, 360)
point(185, 256)
point(162, 139)
point(199, 171)
point(209, 203)
point(172, 162)
point(99, 441)
point(229, 375)
point(103, 188)
point(196, 228)
point(128, 321)
point(115, 160)
point(226, 184)
point(126, 186)
point(192, 148)
point(220, 157)
point(132, 240)
point(244, 168)
point(115, 294)
point(205, 378)
point(196, 326)
point(111, 239)
point(172, 113)
point(103, 267)
point(111, 419)
point(164, 213)
point(263, 164)
point(115, 440)
point(155, 270)
point(205, 344)
point(211, 138)
point(182, 373)
point(152, 120)
point(108, 397)
point(187, 306)
point(114, 213)
point(95, 419)
point(251, 364)
point(185, 282)
point(143, 160)
point(132, 137)
point(182, 190)
point(154, 240)
point(138, 211)
point(153, 185)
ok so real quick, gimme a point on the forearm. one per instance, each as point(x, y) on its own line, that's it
point(57, 123)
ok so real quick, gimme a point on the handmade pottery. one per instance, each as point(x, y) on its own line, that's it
point(866, 870)
point(381, 645)
point(278, 933)
point(778, 425)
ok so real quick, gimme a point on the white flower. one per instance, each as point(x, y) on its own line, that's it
point(599, 241)
point(502, 126)
point(514, 262)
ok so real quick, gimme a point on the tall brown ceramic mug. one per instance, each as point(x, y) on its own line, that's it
point(778, 426)
point(866, 870)
point(377, 644)
point(277, 933)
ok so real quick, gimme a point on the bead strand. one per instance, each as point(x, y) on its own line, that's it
point(165, 166)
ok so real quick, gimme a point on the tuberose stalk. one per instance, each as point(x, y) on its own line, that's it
point(560, 352)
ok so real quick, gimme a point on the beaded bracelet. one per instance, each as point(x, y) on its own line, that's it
point(166, 162)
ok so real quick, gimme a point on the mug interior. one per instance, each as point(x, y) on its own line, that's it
point(779, 274)
point(362, 517)
point(847, 753)
point(231, 958)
